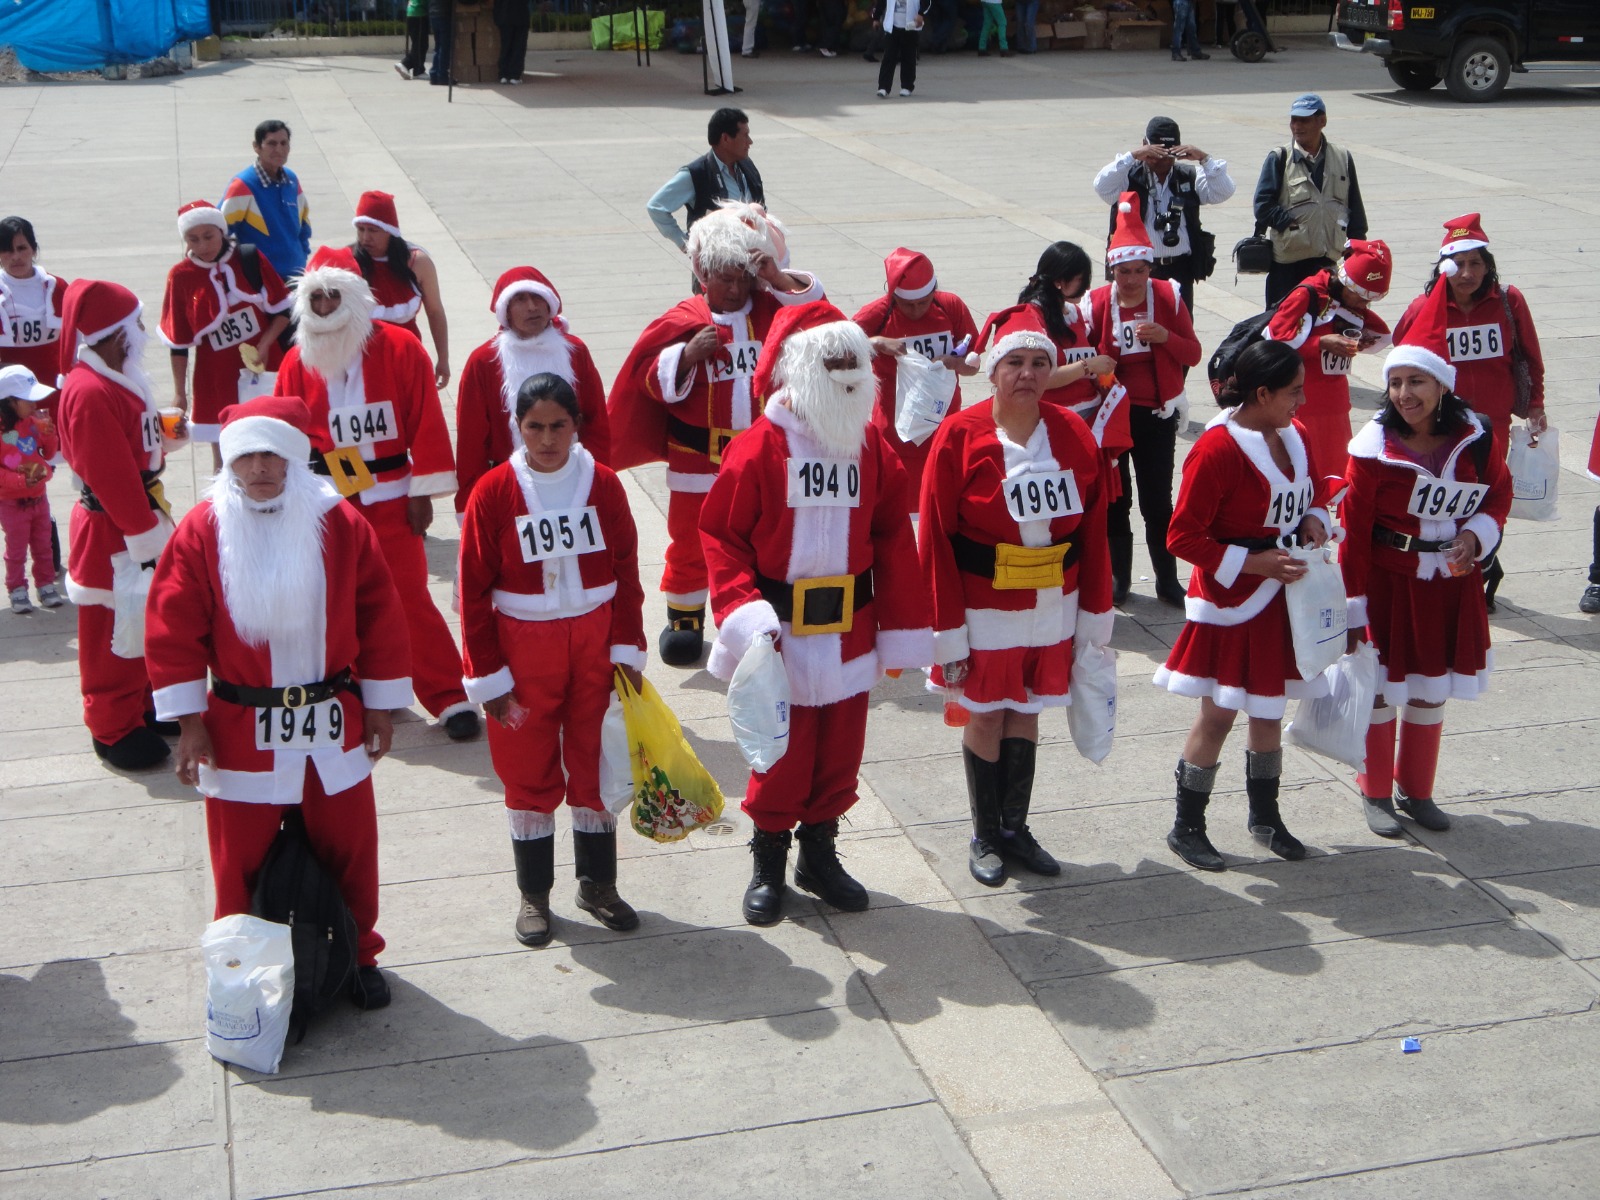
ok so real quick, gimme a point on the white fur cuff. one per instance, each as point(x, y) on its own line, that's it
point(628, 656)
point(1488, 533)
point(900, 649)
point(440, 483)
point(1232, 563)
point(386, 693)
point(180, 700)
point(950, 645)
point(147, 546)
point(736, 631)
point(1355, 608)
point(488, 687)
point(1095, 628)
point(667, 375)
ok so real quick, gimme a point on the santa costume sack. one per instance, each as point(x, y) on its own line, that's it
point(1092, 716)
point(1317, 616)
point(1336, 724)
point(922, 396)
point(616, 759)
point(249, 990)
point(758, 704)
point(1535, 473)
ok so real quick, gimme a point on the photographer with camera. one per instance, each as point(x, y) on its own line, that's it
point(1172, 181)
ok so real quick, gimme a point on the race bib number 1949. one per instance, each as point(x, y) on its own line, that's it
point(309, 728)
point(824, 483)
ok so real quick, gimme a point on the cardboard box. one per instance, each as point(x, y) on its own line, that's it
point(475, 51)
point(1135, 35)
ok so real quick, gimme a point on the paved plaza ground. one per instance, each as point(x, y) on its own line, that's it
point(1131, 1029)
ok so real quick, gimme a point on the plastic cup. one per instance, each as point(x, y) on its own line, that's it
point(174, 423)
point(956, 714)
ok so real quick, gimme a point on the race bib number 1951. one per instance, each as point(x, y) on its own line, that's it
point(312, 727)
point(560, 533)
point(1446, 500)
point(1043, 496)
point(362, 424)
point(824, 483)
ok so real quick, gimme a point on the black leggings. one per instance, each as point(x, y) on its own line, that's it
point(900, 47)
point(1155, 444)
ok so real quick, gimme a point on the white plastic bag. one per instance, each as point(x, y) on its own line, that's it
point(923, 393)
point(616, 758)
point(758, 704)
point(130, 588)
point(252, 385)
point(1092, 716)
point(249, 990)
point(1317, 616)
point(1535, 474)
point(1335, 725)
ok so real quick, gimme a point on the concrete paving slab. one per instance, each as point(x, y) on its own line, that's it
point(132, 914)
point(1517, 834)
point(148, 1175)
point(68, 1006)
point(1559, 904)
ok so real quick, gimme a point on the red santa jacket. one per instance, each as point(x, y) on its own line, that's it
point(188, 634)
point(483, 417)
point(33, 339)
point(111, 437)
point(1079, 345)
point(975, 485)
point(386, 408)
point(761, 519)
point(398, 303)
point(1479, 342)
point(1389, 489)
point(513, 562)
point(655, 420)
point(1171, 358)
point(1301, 319)
point(1232, 490)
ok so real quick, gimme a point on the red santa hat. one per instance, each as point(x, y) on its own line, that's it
point(377, 209)
point(1462, 234)
point(1423, 344)
point(268, 424)
point(520, 281)
point(1020, 327)
point(96, 309)
point(331, 269)
point(909, 274)
point(1130, 242)
point(1366, 269)
point(200, 212)
point(796, 318)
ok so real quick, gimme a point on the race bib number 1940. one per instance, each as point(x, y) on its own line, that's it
point(1042, 496)
point(560, 533)
point(362, 424)
point(1446, 500)
point(312, 727)
point(824, 483)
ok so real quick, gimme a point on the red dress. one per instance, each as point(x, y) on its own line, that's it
point(982, 490)
point(1430, 628)
point(32, 337)
point(398, 302)
point(1236, 646)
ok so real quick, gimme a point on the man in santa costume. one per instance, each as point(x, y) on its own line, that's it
point(533, 338)
point(686, 391)
point(111, 437)
point(280, 594)
point(807, 539)
point(379, 432)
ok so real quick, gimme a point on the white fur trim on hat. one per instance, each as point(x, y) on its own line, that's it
point(391, 230)
point(1122, 254)
point(255, 435)
point(1022, 339)
point(1461, 247)
point(203, 215)
point(918, 293)
point(524, 287)
point(95, 336)
point(1365, 293)
point(1427, 360)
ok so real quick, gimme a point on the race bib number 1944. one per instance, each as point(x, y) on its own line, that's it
point(362, 424)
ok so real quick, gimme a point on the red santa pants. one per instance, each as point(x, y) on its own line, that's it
point(116, 691)
point(343, 831)
point(815, 780)
point(435, 661)
point(561, 673)
point(684, 575)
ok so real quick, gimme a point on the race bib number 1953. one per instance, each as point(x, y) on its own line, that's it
point(312, 727)
point(824, 483)
point(560, 533)
point(234, 328)
point(1042, 496)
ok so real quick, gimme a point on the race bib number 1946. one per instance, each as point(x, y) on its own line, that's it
point(1446, 500)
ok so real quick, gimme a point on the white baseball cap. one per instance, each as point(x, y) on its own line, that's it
point(19, 383)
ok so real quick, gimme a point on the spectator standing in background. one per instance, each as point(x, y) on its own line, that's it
point(1185, 33)
point(901, 22)
point(415, 64)
point(265, 206)
point(724, 173)
point(441, 13)
point(994, 18)
point(511, 19)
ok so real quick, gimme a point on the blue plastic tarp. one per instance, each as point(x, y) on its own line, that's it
point(85, 35)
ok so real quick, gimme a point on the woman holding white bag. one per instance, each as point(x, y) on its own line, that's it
point(1426, 506)
point(1250, 489)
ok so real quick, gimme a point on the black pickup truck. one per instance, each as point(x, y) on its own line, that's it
point(1472, 45)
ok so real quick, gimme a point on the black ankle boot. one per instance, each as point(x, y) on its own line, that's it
point(536, 872)
point(818, 870)
point(1017, 758)
point(1121, 568)
point(983, 799)
point(136, 751)
point(1493, 573)
point(1165, 568)
point(1188, 837)
point(1262, 771)
point(595, 863)
point(763, 899)
point(683, 641)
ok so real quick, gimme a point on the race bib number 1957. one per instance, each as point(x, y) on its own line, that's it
point(824, 483)
point(560, 533)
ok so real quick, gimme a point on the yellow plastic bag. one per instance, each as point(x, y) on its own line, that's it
point(672, 792)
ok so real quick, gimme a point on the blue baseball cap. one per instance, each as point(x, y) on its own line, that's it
point(1308, 105)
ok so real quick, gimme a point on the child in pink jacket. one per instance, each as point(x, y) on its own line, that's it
point(27, 444)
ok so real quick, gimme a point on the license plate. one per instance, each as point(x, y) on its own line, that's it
point(1361, 16)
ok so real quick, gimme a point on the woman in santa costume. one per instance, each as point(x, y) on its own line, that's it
point(111, 437)
point(379, 432)
point(1014, 552)
point(1427, 504)
point(227, 304)
point(1491, 341)
point(31, 305)
point(1251, 487)
point(685, 391)
point(1142, 323)
point(550, 605)
point(277, 642)
point(533, 338)
point(913, 314)
point(807, 539)
point(1327, 318)
point(402, 277)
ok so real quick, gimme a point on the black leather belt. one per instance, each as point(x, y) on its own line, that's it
point(391, 462)
point(1259, 543)
point(693, 437)
point(295, 695)
point(92, 502)
point(821, 601)
point(1404, 541)
point(977, 558)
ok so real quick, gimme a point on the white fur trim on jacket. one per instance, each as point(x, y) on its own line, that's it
point(1488, 532)
point(690, 481)
point(339, 770)
point(1355, 612)
point(899, 649)
point(951, 645)
point(551, 605)
point(440, 483)
point(386, 693)
point(147, 546)
point(735, 633)
point(1198, 608)
point(1094, 629)
point(180, 700)
point(667, 374)
point(488, 687)
point(628, 656)
point(1053, 618)
point(1227, 572)
point(81, 595)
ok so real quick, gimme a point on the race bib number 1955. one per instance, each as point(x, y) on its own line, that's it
point(824, 483)
point(560, 533)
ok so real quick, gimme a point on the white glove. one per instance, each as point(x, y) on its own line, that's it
point(1178, 407)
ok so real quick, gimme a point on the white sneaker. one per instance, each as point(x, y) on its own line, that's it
point(49, 597)
point(826, 53)
point(19, 601)
point(905, 91)
point(882, 95)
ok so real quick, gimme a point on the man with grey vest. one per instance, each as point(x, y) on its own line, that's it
point(725, 173)
point(1307, 200)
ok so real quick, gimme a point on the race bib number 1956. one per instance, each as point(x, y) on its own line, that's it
point(1042, 496)
point(1474, 342)
point(312, 727)
point(560, 533)
point(824, 483)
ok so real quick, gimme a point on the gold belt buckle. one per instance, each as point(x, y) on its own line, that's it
point(717, 441)
point(1029, 568)
point(845, 585)
point(158, 496)
point(295, 696)
point(348, 470)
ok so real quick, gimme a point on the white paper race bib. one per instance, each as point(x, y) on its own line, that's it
point(149, 432)
point(1077, 354)
point(560, 533)
point(361, 424)
point(234, 328)
point(1446, 500)
point(32, 332)
point(1335, 364)
point(1474, 342)
point(931, 345)
point(1289, 504)
point(824, 483)
point(736, 360)
point(313, 727)
point(1128, 341)
point(1042, 496)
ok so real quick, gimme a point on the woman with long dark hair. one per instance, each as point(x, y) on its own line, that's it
point(31, 303)
point(402, 277)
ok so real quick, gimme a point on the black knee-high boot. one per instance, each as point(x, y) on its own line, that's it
point(1017, 759)
point(595, 863)
point(1121, 567)
point(1188, 837)
point(1262, 770)
point(1493, 573)
point(983, 798)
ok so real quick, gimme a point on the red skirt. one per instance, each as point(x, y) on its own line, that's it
point(1432, 636)
point(1024, 678)
point(1247, 667)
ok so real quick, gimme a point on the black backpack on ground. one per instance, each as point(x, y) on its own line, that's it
point(1240, 337)
point(296, 890)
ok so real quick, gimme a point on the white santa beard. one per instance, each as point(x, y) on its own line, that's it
point(136, 340)
point(332, 344)
point(269, 555)
point(521, 358)
point(834, 406)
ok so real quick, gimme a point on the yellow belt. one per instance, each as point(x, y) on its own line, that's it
point(1028, 568)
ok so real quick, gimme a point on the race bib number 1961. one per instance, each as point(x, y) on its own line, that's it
point(1446, 500)
point(1043, 496)
point(362, 424)
point(312, 727)
point(824, 483)
point(560, 533)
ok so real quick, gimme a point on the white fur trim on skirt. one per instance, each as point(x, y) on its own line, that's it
point(1236, 699)
point(1436, 689)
